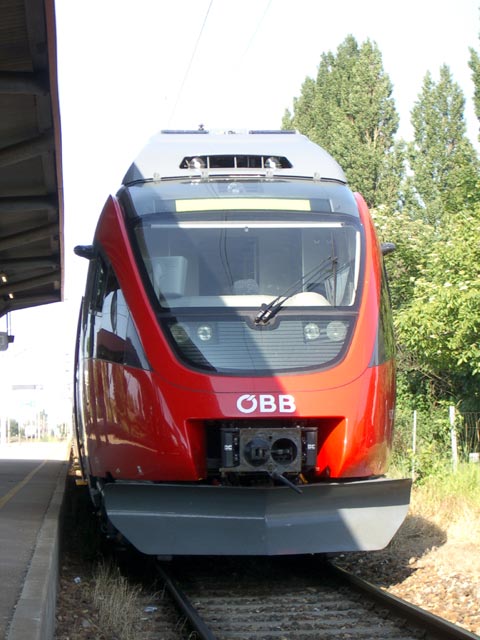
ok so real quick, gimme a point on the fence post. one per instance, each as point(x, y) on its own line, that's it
point(453, 436)
point(414, 442)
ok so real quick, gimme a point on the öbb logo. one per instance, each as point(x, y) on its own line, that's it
point(266, 403)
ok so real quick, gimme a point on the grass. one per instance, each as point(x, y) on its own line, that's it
point(118, 603)
point(451, 500)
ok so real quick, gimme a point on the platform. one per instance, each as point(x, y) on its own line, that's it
point(32, 483)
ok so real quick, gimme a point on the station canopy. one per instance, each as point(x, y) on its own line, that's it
point(31, 200)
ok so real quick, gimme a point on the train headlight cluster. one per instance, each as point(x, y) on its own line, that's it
point(311, 331)
point(336, 330)
point(205, 332)
point(179, 334)
point(182, 334)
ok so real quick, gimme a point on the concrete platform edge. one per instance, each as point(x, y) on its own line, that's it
point(34, 615)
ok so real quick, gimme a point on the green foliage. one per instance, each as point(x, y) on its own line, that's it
point(465, 483)
point(474, 64)
point(14, 429)
point(432, 454)
point(440, 327)
point(452, 496)
point(430, 461)
point(349, 110)
point(435, 287)
point(443, 161)
point(287, 121)
point(413, 239)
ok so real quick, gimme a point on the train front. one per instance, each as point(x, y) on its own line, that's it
point(260, 421)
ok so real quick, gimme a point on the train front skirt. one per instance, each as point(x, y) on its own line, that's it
point(174, 519)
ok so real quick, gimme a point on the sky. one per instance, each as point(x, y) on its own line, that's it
point(129, 69)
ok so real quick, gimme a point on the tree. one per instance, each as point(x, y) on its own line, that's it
point(434, 274)
point(443, 161)
point(474, 64)
point(413, 239)
point(433, 215)
point(439, 329)
point(349, 110)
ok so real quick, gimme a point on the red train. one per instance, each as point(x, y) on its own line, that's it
point(235, 384)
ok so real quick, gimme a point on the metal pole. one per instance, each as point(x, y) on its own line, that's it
point(453, 436)
point(414, 443)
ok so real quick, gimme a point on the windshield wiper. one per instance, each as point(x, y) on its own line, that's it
point(269, 311)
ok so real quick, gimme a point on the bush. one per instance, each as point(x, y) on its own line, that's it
point(432, 445)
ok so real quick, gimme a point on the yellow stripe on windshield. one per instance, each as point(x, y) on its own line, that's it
point(245, 204)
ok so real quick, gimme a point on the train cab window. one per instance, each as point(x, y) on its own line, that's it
point(115, 337)
point(250, 262)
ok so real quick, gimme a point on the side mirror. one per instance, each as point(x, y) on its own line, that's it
point(85, 251)
point(387, 248)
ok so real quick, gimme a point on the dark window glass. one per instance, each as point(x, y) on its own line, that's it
point(115, 336)
point(385, 344)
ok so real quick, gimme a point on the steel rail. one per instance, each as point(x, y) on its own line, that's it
point(435, 626)
point(429, 621)
point(183, 603)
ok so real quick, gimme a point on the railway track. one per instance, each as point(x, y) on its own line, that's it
point(293, 599)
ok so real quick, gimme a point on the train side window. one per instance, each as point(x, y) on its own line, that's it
point(99, 277)
point(108, 343)
point(115, 336)
point(86, 336)
point(385, 343)
point(134, 355)
point(386, 318)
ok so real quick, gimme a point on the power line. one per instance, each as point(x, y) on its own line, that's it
point(190, 63)
point(259, 23)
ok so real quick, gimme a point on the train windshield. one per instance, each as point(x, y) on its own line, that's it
point(239, 288)
point(247, 263)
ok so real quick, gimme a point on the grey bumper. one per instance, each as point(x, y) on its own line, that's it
point(172, 519)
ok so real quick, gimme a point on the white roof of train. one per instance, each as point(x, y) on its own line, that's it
point(165, 153)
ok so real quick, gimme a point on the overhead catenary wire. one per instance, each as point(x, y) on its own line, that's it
point(237, 64)
point(179, 94)
point(257, 29)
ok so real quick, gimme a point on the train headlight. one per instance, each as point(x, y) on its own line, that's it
point(205, 332)
point(336, 330)
point(311, 331)
point(179, 334)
